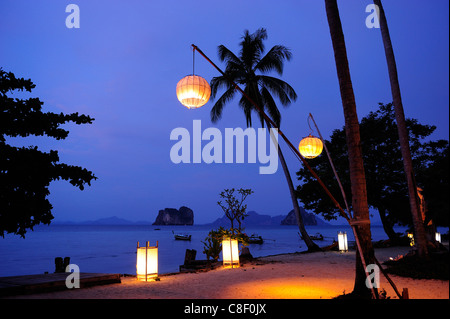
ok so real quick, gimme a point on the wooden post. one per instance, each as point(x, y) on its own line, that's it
point(405, 293)
point(190, 256)
point(59, 265)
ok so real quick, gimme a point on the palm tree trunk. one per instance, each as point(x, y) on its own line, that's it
point(357, 174)
point(301, 226)
point(388, 227)
point(419, 229)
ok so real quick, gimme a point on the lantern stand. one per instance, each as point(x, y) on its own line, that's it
point(346, 216)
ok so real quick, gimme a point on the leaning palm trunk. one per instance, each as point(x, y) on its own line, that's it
point(301, 226)
point(357, 175)
point(419, 229)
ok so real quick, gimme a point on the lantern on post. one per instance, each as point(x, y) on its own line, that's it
point(230, 252)
point(310, 147)
point(342, 241)
point(147, 262)
point(193, 91)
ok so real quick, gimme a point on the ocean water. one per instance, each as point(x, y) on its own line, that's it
point(112, 249)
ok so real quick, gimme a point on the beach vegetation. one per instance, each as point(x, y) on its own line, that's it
point(213, 242)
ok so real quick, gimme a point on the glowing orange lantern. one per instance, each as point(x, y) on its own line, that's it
point(310, 147)
point(193, 91)
point(230, 252)
point(147, 262)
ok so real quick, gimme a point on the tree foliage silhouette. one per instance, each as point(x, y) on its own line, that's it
point(26, 172)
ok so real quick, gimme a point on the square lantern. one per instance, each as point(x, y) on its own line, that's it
point(342, 241)
point(438, 237)
point(230, 252)
point(147, 262)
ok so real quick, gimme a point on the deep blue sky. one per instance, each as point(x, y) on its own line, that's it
point(123, 63)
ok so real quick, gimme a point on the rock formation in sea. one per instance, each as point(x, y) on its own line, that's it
point(309, 219)
point(172, 216)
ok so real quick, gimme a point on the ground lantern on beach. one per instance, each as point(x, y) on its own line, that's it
point(342, 241)
point(193, 91)
point(230, 252)
point(310, 147)
point(438, 237)
point(147, 262)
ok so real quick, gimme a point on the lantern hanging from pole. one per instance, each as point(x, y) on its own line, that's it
point(147, 262)
point(230, 252)
point(342, 241)
point(193, 91)
point(310, 147)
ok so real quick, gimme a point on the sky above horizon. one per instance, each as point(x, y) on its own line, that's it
point(122, 65)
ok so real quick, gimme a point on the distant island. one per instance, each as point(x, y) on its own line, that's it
point(172, 216)
point(255, 219)
point(185, 216)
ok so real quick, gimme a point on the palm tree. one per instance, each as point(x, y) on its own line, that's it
point(419, 229)
point(245, 70)
point(356, 166)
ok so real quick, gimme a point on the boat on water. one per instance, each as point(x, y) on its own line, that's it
point(254, 239)
point(317, 236)
point(181, 236)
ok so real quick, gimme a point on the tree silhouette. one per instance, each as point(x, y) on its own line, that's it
point(26, 172)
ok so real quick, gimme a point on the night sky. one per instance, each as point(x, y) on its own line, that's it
point(123, 63)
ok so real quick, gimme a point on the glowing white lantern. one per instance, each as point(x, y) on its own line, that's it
point(147, 262)
point(310, 147)
point(230, 252)
point(342, 241)
point(438, 237)
point(193, 91)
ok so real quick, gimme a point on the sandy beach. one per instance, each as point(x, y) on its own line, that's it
point(320, 275)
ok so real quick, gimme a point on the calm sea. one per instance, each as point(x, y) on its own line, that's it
point(112, 249)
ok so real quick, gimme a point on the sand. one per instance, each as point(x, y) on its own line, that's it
point(320, 275)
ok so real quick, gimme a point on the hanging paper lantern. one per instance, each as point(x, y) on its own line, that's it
point(310, 147)
point(193, 91)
